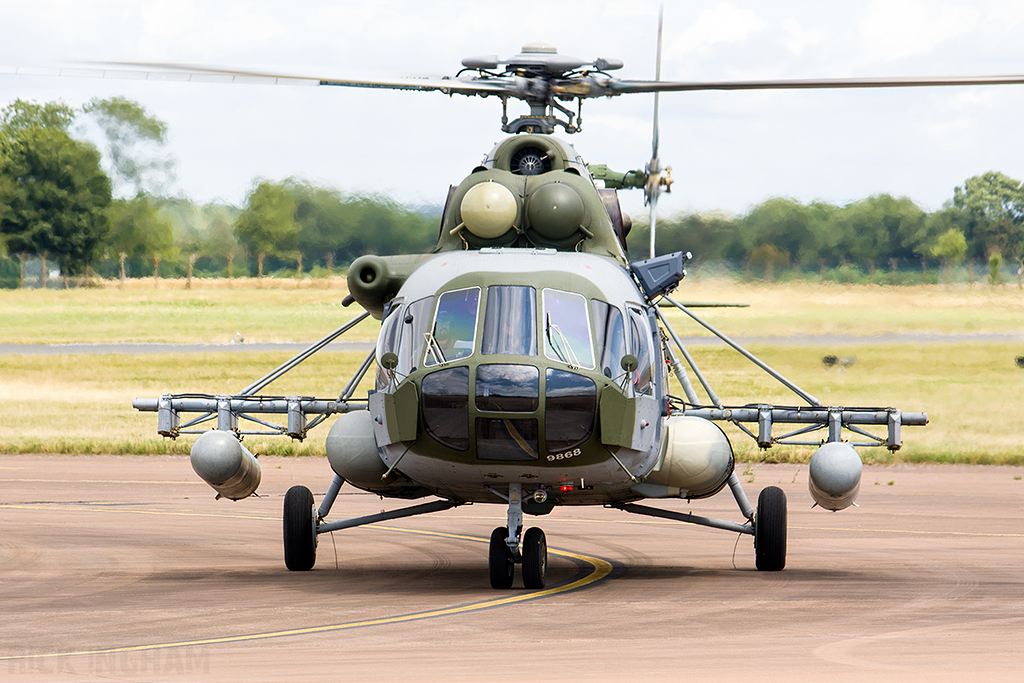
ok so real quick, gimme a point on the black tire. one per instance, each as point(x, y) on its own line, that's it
point(299, 529)
point(535, 558)
point(770, 530)
point(500, 561)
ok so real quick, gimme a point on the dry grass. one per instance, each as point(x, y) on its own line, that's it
point(971, 392)
point(211, 313)
point(81, 403)
point(214, 311)
point(862, 310)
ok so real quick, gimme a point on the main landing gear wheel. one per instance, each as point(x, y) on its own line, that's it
point(299, 529)
point(535, 558)
point(500, 560)
point(770, 530)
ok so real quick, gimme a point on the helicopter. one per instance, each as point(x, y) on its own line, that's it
point(526, 361)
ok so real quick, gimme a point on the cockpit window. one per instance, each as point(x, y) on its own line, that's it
point(611, 337)
point(510, 321)
point(567, 329)
point(641, 348)
point(415, 324)
point(446, 406)
point(454, 330)
point(570, 403)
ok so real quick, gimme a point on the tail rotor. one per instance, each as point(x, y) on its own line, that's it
point(655, 177)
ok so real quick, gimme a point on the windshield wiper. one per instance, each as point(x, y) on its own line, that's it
point(565, 354)
point(434, 349)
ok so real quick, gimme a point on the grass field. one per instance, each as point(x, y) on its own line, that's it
point(973, 392)
point(293, 310)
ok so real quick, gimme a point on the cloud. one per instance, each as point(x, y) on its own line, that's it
point(722, 23)
point(895, 29)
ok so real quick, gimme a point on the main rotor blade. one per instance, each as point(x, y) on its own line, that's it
point(625, 87)
point(172, 71)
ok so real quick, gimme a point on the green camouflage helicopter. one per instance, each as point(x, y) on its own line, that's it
point(526, 361)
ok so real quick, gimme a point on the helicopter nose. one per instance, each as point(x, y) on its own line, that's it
point(516, 418)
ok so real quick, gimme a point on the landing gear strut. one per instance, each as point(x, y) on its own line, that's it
point(504, 552)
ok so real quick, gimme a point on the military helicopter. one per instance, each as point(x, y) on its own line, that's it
point(526, 361)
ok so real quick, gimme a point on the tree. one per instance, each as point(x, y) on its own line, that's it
point(950, 247)
point(992, 205)
point(879, 228)
point(133, 139)
point(769, 256)
point(267, 225)
point(707, 236)
point(56, 195)
point(20, 116)
point(137, 231)
point(791, 229)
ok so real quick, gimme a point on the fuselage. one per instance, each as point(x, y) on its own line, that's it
point(509, 369)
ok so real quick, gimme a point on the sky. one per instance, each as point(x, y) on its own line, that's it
point(729, 150)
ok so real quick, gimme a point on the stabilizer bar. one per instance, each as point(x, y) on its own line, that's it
point(436, 506)
point(228, 410)
point(685, 517)
point(834, 418)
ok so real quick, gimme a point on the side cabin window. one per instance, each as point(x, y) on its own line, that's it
point(510, 321)
point(640, 346)
point(454, 331)
point(567, 329)
point(387, 341)
point(611, 337)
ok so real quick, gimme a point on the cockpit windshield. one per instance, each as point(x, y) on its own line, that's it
point(567, 329)
point(510, 321)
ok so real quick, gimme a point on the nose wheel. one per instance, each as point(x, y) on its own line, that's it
point(535, 558)
point(502, 559)
point(501, 562)
point(504, 552)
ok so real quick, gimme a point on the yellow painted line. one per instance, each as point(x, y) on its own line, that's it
point(273, 517)
point(86, 507)
point(98, 481)
point(601, 569)
point(667, 522)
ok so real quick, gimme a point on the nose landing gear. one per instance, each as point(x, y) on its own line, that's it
point(504, 551)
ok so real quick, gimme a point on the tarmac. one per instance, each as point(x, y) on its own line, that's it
point(118, 568)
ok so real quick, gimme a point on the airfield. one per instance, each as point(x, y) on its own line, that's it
point(126, 568)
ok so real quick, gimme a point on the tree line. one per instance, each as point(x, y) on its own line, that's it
point(104, 209)
point(59, 202)
point(984, 220)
